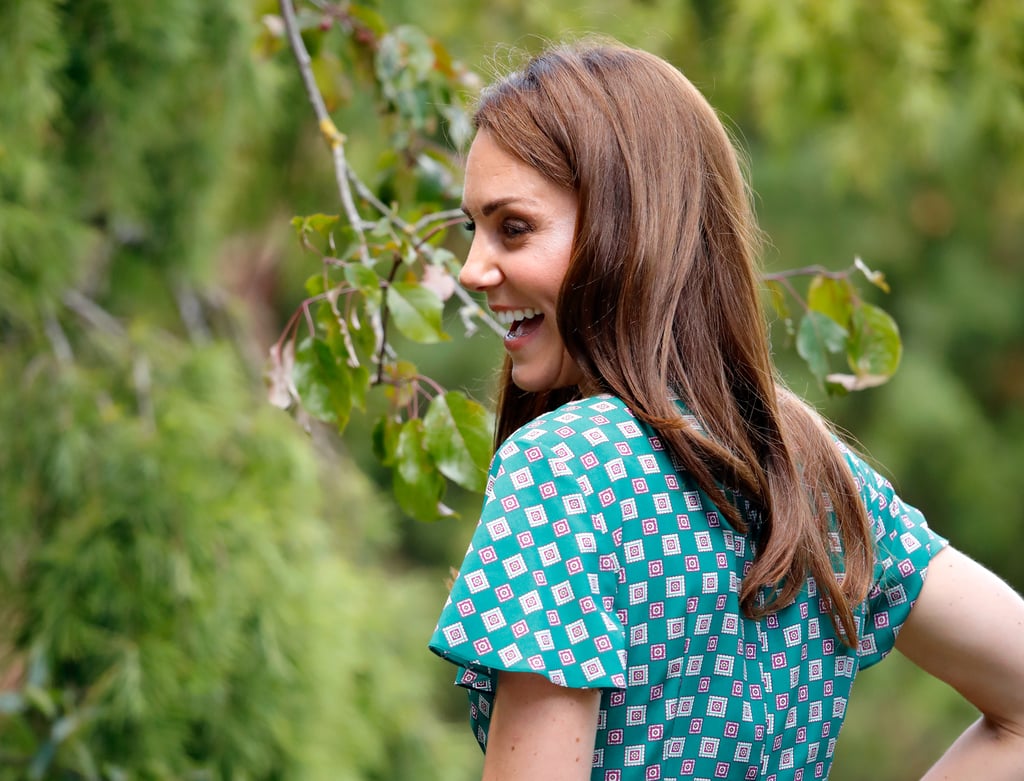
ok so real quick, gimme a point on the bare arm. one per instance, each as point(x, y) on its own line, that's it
point(967, 628)
point(540, 731)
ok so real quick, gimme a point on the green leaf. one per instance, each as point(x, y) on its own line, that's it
point(831, 297)
point(370, 19)
point(315, 284)
point(360, 385)
point(778, 298)
point(385, 439)
point(458, 437)
point(360, 330)
point(418, 486)
point(817, 336)
point(314, 223)
point(365, 280)
point(416, 311)
point(40, 698)
point(874, 348)
point(323, 382)
point(417, 49)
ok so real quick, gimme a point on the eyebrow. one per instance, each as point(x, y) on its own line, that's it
point(491, 206)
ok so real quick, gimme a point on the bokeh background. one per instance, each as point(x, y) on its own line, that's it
point(194, 586)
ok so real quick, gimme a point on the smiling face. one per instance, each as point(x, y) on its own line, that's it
point(523, 229)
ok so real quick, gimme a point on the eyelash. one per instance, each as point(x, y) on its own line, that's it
point(512, 229)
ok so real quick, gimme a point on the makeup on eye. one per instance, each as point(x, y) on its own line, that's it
point(514, 228)
point(510, 228)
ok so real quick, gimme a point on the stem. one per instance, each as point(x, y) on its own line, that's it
point(191, 311)
point(806, 271)
point(448, 223)
point(784, 281)
point(58, 340)
point(93, 313)
point(335, 138)
point(455, 216)
point(384, 320)
point(438, 389)
point(347, 178)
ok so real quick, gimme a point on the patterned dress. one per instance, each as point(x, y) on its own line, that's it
point(598, 565)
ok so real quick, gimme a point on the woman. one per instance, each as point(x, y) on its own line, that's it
point(678, 570)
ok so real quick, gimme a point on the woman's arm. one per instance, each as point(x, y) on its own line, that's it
point(540, 731)
point(967, 628)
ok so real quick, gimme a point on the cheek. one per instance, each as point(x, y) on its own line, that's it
point(556, 261)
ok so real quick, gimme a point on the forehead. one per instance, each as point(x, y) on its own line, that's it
point(492, 174)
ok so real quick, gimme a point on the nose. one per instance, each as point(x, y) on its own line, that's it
point(481, 271)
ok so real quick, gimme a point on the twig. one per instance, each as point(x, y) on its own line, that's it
point(347, 178)
point(784, 281)
point(806, 271)
point(384, 320)
point(93, 313)
point(441, 226)
point(58, 340)
point(191, 311)
point(334, 137)
point(143, 382)
point(456, 215)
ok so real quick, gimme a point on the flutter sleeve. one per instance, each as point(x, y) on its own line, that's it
point(537, 589)
point(904, 547)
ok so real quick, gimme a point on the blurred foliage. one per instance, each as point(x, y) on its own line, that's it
point(187, 588)
point(191, 588)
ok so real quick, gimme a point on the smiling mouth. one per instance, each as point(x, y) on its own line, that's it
point(520, 322)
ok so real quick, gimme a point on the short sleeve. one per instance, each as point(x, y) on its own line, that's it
point(537, 589)
point(904, 547)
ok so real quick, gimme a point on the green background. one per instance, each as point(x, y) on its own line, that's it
point(194, 587)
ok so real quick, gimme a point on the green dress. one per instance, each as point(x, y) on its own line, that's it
point(598, 565)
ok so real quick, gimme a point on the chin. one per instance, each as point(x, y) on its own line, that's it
point(539, 385)
point(537, 382)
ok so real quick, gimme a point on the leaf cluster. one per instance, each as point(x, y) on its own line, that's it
point(337, 348)
point(836, 321)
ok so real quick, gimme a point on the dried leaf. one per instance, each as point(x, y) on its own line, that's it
point(281, 391)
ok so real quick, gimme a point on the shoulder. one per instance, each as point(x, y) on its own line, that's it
point(596, 442)
point(876, 491)
point(584, 423)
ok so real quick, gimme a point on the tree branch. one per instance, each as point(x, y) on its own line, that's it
point(806, 271)
point(58, 339)
point(335, 138)
point(93, 313)
point(347, 178)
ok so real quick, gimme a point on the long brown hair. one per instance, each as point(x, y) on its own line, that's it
point(661, 299)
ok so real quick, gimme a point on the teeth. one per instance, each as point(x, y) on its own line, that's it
point(509, 316)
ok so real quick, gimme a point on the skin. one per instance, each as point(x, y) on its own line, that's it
point(523, 229)
point(540, 730)
point(967, 628)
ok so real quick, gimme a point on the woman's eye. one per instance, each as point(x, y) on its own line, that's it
point(469, 226)
point(515, 228)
